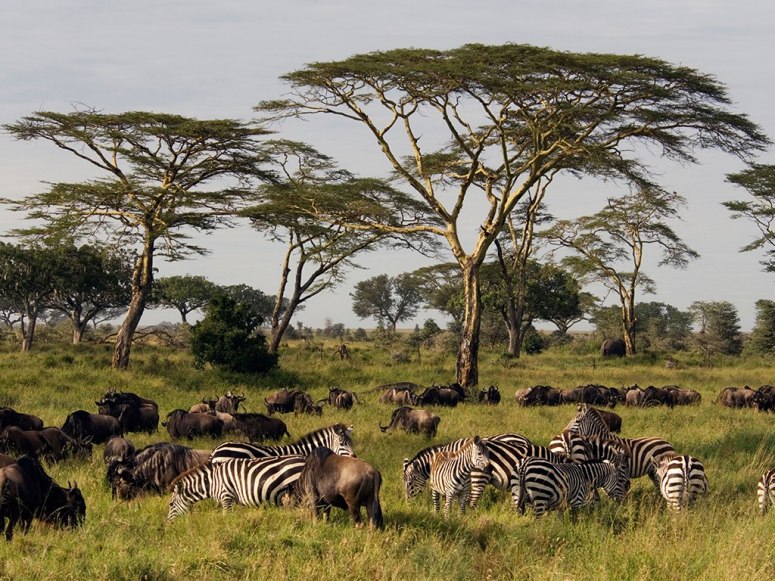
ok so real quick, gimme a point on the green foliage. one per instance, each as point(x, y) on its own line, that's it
point(533, 342)
point(759, 181)
point(719, 328)
point(184, 293)
point(387, 299)
point(762, 338)
point(226, 338)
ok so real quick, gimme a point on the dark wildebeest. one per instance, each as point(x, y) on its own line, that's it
point(258, 427)
point(342, 481)
point(737, 397)
point(152, 469)
point(205, 407)
point(95, 428)
point(10, 417)
point(62, 446)
point(436, 395)
point(229, 403)
point(613, 348)
point(491, 395)
point(341, 398)
point(764, 398)
point(20, 442)
point(681, 396)
point(296, 401)
point(413, 421)
point(118, 449)
point(27, 492)
point(6, 460)
point(653, 396)
point(182, 424)
point(538, 395)
point(134, 413)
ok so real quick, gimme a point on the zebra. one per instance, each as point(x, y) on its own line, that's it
point(681, 479)
point(337, 438)
point(417, 470)
point(504, 457)
point(548, 485)
point(589, 423)
point(451, 473)
point(571, 445)
point(766, 491)
point(236, 481)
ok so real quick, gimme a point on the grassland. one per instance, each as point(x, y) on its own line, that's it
point(722, 537)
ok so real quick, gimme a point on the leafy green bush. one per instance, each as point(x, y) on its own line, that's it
point(226, 338)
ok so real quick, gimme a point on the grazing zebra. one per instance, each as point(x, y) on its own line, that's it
point(451, 473)
point(417, 470)
point(589, 423)
point(570, 445)
point(681, 479)
point(337, 438)
point(504, 458)
point(236, 481)
point(766, 491)
point(547, 485)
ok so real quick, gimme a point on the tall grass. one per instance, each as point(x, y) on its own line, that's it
point(722, 537)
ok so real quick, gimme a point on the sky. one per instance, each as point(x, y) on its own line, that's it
point(213, 60)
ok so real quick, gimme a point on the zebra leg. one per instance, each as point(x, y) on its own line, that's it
point(463, 501)
point(436, 496)
point(448, 504)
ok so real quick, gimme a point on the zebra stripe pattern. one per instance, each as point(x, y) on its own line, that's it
point(588, 422)
point(765, 491)
point(570, 445)
point(237, 481)
point(417, 470)
point(337, 437)
point(504, 458)
point(451, 473)
point(547, 485)
point(681, 479)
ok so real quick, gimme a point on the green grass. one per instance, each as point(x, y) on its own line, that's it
point(722, 537)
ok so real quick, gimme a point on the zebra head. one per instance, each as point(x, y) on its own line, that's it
point(619, 483)
point(342, 443)
point(414, 480)
point(480, 457)
point(179, 504)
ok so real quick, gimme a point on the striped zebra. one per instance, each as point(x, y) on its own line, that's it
point(640, 451)
point(765, 491)
point(236, 481)
point(417, 470)
point(451, 473)
point(548, 485)
point(504, 458)
point(337, 438)
point(681, 479)
point(570, 445)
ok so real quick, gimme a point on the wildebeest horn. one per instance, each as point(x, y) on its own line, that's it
point(381, 428)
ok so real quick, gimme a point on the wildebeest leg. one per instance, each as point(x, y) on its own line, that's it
point(355, 511)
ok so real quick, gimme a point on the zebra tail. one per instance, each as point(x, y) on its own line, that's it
point(521, 489)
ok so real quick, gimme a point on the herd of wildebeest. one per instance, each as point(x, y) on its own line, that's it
point(322, 469)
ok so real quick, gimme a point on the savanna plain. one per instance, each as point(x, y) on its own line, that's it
point(721, 537)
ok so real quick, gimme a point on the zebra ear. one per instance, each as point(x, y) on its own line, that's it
point(477, 439)
point(406, 463)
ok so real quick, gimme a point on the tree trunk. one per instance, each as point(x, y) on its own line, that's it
point(468, 352)
point(628, 326)
point(78, 331)
point(142, 277)
point(28, 333)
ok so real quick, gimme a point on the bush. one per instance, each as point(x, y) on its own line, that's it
point(225, 338)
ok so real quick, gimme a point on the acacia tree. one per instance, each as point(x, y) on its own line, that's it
point(759, 181)
point(385, 298)
point(185, 294)
point(485, 125)
point(620, 233)
point(89, 281)
point(154, 195)
point(718, 328)
point(308, 209)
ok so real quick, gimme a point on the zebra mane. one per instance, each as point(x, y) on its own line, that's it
point(339, 429)
point(430, 450)
point(206, 467)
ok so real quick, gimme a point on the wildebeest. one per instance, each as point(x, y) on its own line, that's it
point(764, 399)
point(21, 442)
point(96, 428)
point(6, 460)
point(27, 492)
point(413, 421)
point(258, 427)
point(183, 424)
point(737, 397)
point(435, 395)
point(229, 403)
point(538, 395)
point(345, 482)
point(341, 398)
point(10, 417)
point(491, 395)
point(152, 469)
point(399, 395)
point(296, 401)
point(134, 413)
point(206, 406)
point(680, 396)
point(613, 348)
point(118, 449)
point(62, 446)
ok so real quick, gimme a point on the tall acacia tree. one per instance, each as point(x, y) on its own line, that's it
point(157, 167)
point(619, 234)
point(759, 181)
point(472, 130)
point(387, 298)
point(309, 210)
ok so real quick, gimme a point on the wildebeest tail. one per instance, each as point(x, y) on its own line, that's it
point(374, 509)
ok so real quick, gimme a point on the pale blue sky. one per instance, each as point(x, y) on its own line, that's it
point(218, 59)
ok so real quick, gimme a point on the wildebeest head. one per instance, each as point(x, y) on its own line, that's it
point(74, 512)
